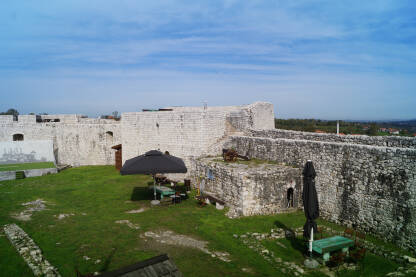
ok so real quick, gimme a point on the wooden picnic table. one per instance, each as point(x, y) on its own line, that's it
point(164, 191)
point(327, 245)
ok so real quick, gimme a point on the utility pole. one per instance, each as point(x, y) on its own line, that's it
point(338, 127)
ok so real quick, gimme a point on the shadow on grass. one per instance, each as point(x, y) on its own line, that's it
point(107, 261)
point(146, 193)
point(104, 268)
point(297, 244)
point(141, 193)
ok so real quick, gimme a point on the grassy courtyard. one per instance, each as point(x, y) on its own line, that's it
point(95, 197)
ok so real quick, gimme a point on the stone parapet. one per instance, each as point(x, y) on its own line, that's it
point(385, 141)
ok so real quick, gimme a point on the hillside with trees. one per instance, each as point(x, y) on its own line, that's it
point(402, 128)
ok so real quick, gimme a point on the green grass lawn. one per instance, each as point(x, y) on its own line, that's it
point(98, 196)
point(26, 166)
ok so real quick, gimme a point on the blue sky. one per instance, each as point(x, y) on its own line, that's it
point(311, 59)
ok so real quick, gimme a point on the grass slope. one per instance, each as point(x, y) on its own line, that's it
point(98, 196)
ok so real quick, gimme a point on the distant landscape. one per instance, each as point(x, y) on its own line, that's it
point(371, 128)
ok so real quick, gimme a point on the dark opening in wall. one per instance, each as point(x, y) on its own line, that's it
point(17, 137)
point(109, 135)
point(290, 197)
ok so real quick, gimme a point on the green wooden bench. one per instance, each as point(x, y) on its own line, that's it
point(164, 191)
point(328, 245)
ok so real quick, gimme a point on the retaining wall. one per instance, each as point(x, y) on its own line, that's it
point(11, 175)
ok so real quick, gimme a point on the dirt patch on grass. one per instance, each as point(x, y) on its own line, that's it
point(31, 207)
point(169, 237)
point(128, 223)
point(136, 211)
point(62, 216)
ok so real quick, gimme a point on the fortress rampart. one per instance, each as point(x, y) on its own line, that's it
point(76, 141)
point(190, 131)
point(370, 187)
point(367, 182)
point(387, 141)
point(183, 131)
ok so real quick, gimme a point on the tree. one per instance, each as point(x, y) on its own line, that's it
point(115, 114)
point(372, 131)
point(11, 112)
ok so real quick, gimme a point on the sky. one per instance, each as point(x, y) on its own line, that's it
point(348, 60)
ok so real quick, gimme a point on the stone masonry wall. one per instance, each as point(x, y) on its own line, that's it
point(388, 141)
point(184, 131)
point(249, 190)
point(190, 131)
point(371, 187)
point(74, 144)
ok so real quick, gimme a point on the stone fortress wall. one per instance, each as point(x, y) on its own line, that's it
point(76, 140)
point(388, 141)
point(365, 181)
point(370, 187)
point(183, 131)
point(189, 132)
point(249, 189)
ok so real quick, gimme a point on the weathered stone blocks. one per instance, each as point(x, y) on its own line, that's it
point(372, 188)
point(249, 189)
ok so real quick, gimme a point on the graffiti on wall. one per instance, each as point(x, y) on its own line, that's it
point(16, 155)
point(34, 151)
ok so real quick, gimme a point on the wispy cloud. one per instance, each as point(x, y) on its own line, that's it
point(277, 51)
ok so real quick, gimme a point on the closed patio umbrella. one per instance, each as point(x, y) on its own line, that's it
point(310, 202)
point(153, 162)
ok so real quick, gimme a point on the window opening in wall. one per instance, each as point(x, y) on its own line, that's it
point(290, 198)
point(109, 135)
point(17, 137)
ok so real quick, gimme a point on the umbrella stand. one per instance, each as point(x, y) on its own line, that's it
point(310, 243)
point(155, 201)
point(310, 262)
point(154, 186)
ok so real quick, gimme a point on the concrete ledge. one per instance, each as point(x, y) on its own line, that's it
point(7, 175)
point(11, 175)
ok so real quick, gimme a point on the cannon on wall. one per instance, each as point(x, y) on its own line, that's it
point(230, 155)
